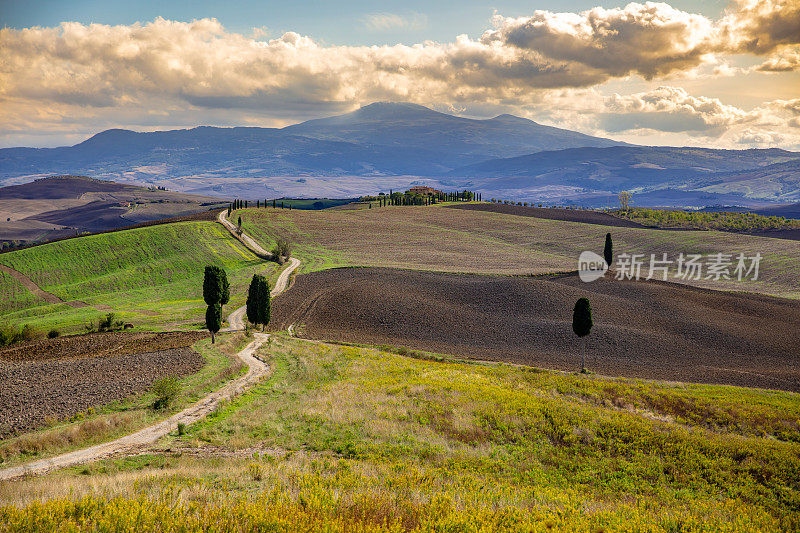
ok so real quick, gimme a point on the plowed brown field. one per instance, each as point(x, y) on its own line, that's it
point(642, 329)
point(57, 378)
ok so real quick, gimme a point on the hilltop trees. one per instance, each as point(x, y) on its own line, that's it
point(258, 301)
point(608, 250)
point(582, 325)
point(216, 293)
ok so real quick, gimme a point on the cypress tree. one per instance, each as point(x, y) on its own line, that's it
point(252, 300)
point(273, 204)
point(582, 325)
point(245, 203)
point(229, 210)
point(264, 303)
point(240, 222)
point(216, 289)
point(258, 204)
point(608, 250)
point(216, 293)
point(213, 320)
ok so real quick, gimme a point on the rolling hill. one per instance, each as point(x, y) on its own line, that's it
point(61, 206)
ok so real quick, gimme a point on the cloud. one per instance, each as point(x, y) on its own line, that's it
point(760, 138)
point(672, 109)
point(185, 70)
point(392, 21)
point(786, 60)
point(760, 26)
point(650, 39)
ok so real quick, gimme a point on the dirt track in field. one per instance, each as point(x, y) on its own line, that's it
point(642, 329)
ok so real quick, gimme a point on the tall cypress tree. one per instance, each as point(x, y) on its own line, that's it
point(264, 303)
point(582, 325)
point(252, 300)
point(258, 301)
point(608, 250)
point(216, 293)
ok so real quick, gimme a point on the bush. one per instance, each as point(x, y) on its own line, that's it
point(11, 334)
point(282, 250)
point(166, 390)
point(53, 333)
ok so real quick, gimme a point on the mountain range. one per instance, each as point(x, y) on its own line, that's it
point(394, 145)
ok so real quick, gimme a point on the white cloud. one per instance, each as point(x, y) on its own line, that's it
point(786, 60)
point(77, 77)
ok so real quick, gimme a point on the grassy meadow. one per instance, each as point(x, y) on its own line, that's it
point(150, 276)
point(450, 240)
point(343, 438)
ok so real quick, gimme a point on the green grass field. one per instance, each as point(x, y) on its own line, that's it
point(442, 239)
point(151, 276)
point(344, 438)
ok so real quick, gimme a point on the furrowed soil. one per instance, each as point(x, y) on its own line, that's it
point(54, 379)
point(654, 330)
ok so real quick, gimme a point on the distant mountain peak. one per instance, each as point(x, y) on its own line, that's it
point(505, 117)
point(387, 110)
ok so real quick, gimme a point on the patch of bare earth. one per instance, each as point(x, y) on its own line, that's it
point(57, 378)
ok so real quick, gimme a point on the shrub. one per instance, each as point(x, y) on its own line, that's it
point(181, 429)
point(166, 390)
point(11, 334)
point(53, 333)
point(282, 250)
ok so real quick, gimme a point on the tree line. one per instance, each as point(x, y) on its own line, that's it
point(244, 204)
point(418, 198)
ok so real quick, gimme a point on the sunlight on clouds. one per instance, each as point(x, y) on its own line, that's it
point(77, 77)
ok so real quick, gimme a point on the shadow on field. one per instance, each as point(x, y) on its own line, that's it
point(641, 329)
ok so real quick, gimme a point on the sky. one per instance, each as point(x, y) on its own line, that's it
point(688, 73)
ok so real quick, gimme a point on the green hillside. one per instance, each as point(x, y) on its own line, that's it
point(150, 276)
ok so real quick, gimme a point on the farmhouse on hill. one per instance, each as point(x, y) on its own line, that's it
point(425, 191)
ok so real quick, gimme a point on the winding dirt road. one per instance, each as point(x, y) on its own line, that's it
point(136, 442)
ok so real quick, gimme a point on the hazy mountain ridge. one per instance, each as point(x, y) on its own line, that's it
point(386, 145)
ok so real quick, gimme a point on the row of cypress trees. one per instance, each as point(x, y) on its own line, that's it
point(216, 293)
point(239, 204)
